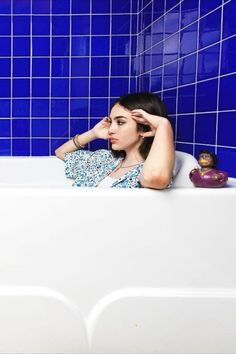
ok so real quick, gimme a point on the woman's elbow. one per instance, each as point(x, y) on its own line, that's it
point(159, 181)
point(59, 154)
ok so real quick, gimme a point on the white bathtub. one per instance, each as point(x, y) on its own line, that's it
point(86, 270)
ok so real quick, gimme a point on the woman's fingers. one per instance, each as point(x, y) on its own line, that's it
point(150, 133)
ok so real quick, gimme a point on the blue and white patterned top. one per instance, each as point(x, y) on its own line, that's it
point(89, 168)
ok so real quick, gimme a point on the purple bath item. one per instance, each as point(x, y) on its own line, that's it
point(211, 179)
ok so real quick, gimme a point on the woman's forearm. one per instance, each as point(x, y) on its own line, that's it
point(158, 166)
point(69, 146)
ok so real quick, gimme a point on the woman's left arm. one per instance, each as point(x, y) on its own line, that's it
point(158, 166)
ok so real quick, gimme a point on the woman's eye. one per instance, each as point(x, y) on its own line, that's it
point(120, 123)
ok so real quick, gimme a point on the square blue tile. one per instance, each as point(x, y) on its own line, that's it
point(40, 87)
point(120, 45)
point(21, 87)
point(61, 25)
point(81, 24)
point(171, 48)
point(205, 128)
point(59, 128)
point(119, 86)
point(21, 7)
point(21, 67)
point(156, 80)
point(186, 99)
point(228, 57)
point(5, 147)
point(40, 147)
point(187, 69)
point(21, 128)
point(81, 7)
point(100, 45)
point(78, 126)
point(208, 62)
point(157, 31)
point(59, 107)
point(40, 67)
point(226, 128)
point(41, 25)
point(41, 7)
point(157, 56)
point(100, 66)
point(102, 6)
point(20, 108)
point(120, 24)
point(40, 127)
point(21, 25)
point(185, 126)
point(144, 83)
point(5, 128)
point(79, 107)
point(60, 87)
point(80, 46)
point(100, 24)
point(5, 88)
point(207, 6)
point(99, 87)
point(207, 95)
point(146, 16)
point(185, 148)
point(121, 6)
point(5, 67)
point(170, 75)
point(189, 12)
point(5, 46)
point(120, 66)
point(79, 87)
point(20, 147)
point(40, 107)
point(5, 108)
point(169, 99)
point(60, 7)
point(134, 23)
point(229, 23)
point(41, 46)
point(227, 160)
point(60, 67)
point(5, 7)
point(158, 8)
point(21, 46)
point(188, 40)
point(79, 67)
point(98, 107)
point(5, 25)
point(209, 30)
point(60, 46)
point(170, 4)
point(172, 19)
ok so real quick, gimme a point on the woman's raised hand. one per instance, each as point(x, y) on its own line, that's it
point(141, 116)
point(100, 130)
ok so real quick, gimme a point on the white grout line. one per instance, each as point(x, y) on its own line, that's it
point(218, 87)
point(196, 76)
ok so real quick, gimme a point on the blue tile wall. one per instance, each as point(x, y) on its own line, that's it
point(186, 53)
point(63, 63)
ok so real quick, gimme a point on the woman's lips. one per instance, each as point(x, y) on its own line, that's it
point(113, 140)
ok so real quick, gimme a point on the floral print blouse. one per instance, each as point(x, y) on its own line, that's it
point(89, 168)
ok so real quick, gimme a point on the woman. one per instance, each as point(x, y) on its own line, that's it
point(142, 148)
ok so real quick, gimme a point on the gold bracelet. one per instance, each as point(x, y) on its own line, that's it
point(77, 144)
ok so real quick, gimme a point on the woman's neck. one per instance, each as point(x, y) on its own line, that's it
point(132, 157)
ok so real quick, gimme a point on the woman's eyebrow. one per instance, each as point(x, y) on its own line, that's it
point(118, 117)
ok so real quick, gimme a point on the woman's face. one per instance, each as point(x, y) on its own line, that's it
point(123, 132)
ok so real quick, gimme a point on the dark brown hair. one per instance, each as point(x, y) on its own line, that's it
point(149, 102)
point(213, 156)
